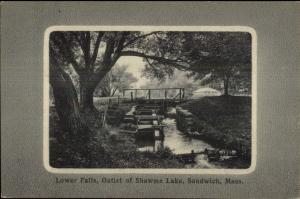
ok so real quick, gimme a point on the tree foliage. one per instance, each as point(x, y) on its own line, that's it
point(211, 56)
point(115, 81)
point(93, 54)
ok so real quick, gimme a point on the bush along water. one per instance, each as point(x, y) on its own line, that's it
point(224, 122)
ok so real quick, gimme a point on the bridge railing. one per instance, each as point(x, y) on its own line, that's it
point(153, 93)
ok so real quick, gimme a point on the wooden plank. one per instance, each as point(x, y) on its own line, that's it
point(127, 131)
point(149, 126)
point(143, 108)
point(144, 122)
point(148, 117)
point(144, 126)
point(146, 106)
point(158, 126)
point(143, 112)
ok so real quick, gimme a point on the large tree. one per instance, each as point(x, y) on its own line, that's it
point(210, 56)
point(92, 55)
point(81, 49)
point(65, 96)
point(220, 57)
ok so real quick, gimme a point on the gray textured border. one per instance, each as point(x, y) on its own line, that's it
point(277, 26)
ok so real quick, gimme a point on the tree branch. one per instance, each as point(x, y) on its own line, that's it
point(65, 48)
point(106, 64)
point(156, 58)
point(86, 43)
point(77, 38)
point(139, 37)
point(121, 42)
point(114, 91)
point(119, 47)
point(108, 51)
point(96, 48)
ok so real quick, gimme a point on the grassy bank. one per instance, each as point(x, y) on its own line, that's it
point(224, 121)
point(107, 148)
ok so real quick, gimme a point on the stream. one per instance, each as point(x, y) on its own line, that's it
point(179, 143)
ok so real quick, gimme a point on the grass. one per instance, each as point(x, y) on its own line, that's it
point(124, 154)
point(107, 148)
point(224, 121)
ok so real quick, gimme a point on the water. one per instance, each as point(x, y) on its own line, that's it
point(179, 143)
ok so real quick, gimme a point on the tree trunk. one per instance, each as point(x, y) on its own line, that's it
point(113, 92)
point(88, 83)
point(86, 94)
point(66, 102)
point(105, 85)
point(226, 85)
point(105, 91)
point(86, 97)
point(71, 119)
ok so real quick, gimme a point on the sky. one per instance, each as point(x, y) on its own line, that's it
point(135, 67)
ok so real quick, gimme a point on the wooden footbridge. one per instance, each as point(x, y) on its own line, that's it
point(155, 96)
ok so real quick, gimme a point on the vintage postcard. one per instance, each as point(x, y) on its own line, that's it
point(150, 99)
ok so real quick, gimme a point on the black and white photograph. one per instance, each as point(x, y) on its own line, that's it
point(150, 99)
point(170, 98)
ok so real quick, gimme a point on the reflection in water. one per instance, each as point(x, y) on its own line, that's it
point(149, 145)
point(145, 144)
point(179, 143)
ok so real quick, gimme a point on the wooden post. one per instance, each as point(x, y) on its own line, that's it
point(166, 94)
point(118, 99)
point(161, 134)
point(131, 94)
point(183, 93)
point(162, 144)
point(180, 93)
point(109, 102)
point(149, 91)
